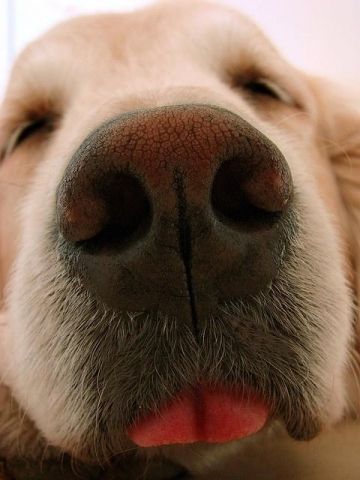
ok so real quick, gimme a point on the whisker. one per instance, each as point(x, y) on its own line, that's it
point(290, 117)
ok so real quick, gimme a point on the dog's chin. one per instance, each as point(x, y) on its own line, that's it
point(196, 426)
point(194, 458)
point(200, 458)
point(203, 458)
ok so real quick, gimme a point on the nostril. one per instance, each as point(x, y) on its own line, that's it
point(251, 194)
point(111, 210)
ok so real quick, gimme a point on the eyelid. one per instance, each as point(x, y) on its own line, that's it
point(13, 141)
point(14, 137)
point(283, 95)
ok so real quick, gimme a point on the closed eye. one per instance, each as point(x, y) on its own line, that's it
point(38, 126)
point(266, 88)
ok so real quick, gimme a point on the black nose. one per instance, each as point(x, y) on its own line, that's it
point(176, 209)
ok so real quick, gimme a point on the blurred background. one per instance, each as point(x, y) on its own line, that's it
point(320, 36)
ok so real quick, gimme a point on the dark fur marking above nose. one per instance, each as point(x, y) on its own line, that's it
point(185, 248)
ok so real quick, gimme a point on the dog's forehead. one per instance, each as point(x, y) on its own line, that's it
point(167, 33)
point(95, 59)
point(192, 20)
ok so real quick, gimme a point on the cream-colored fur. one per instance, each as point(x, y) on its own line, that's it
point(90, 69)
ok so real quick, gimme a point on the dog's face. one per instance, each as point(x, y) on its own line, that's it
point(171, 223)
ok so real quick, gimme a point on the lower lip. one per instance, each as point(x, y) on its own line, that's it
point(204, 414)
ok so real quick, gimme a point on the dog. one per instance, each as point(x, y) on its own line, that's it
point(179, 262)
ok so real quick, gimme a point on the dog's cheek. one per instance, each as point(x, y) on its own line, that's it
point(9, 194)
point(5, 348)
point(12, 188)
point(16, 172)
point(328, 188)
point(329, 192)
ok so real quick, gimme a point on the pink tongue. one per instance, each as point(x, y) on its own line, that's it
point(202, 415)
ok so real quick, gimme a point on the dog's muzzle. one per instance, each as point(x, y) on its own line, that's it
point(177, 211)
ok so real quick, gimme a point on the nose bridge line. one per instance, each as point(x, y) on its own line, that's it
point(185, 247)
